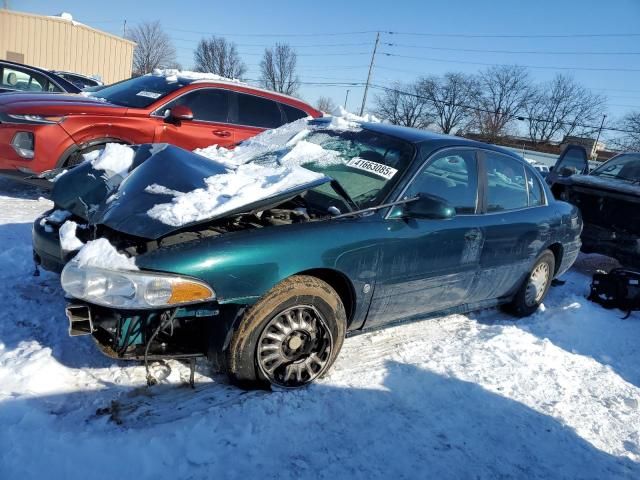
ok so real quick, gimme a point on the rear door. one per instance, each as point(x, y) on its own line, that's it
point(573, 160)
point(515, 223)
point(211, 109)
point(252, 114)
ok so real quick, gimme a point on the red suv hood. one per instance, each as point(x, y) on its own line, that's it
point(56, 104)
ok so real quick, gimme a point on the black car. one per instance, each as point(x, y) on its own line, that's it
point(81, 81)
point(609, 199)
point(16, 77)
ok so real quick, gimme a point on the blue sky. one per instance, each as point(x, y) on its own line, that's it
point(326, 58)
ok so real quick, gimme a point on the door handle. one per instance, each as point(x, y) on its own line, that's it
point(222, 133)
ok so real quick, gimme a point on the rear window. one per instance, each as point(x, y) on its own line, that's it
point(293, 113)
point(258, 112)
point(140, 92)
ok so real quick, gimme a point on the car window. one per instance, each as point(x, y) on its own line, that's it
point(141, 92)
point(506, 183)
point(78, 81)
point(25, 81)
point(211, 105)
point(293, 113)
point(534, 188)
point(622, 167)
point(575, 160)
point(451, 175)
point(258, 112)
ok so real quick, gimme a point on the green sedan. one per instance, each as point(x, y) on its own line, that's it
point(267, 257)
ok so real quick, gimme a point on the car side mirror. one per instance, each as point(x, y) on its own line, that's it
point(429, 207)
point(179, 113)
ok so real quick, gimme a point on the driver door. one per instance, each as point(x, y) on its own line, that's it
point(211, 109)
point(428, 265)
point(573, 160)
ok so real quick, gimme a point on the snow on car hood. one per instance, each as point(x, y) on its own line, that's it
point(167, 187)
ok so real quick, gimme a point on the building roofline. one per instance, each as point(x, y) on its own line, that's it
point(71, 22)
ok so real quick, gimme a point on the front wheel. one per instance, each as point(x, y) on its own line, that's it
point(290, 337)
point(535, 287)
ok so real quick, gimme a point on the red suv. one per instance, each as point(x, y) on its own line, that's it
point(42, 132)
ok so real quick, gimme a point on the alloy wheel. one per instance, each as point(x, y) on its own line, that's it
point(295, 347)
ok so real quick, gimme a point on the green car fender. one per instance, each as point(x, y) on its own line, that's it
point(242, 266)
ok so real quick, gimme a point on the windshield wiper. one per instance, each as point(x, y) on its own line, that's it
point(618, 177)
point(353, 206)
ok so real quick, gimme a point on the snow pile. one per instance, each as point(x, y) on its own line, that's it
point(172, 75)
point(115, 159)
point(344, 120)
point(225, 192)
point(306, 152)
point(100, 253)
point(69, 242)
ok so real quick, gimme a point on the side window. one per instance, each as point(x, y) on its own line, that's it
point(293, 113)
point(207, 104)
point(534, 187)
point(506, 183)
point(258, 112)
point(451, 175)
point(20, 80)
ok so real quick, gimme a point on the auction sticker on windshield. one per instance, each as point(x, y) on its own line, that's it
point(378, 169)
point(145, 93)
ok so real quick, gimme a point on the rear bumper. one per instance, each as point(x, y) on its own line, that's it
point(570, 253)
point(622, 246)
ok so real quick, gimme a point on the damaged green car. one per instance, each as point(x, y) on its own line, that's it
point(265, 265)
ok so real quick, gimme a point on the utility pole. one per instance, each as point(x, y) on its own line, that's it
point(594, 152)
point(366, 87)
point(124, 29)
point(346, 97)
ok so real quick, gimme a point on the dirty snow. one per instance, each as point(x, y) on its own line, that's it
point(100, 253)
point(58, 216)
point(225, 192)
point(114, 159)
point(556, 395)
point(69, 242)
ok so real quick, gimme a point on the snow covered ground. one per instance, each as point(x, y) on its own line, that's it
point(480, 396)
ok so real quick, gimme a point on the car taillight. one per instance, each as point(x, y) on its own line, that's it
point(24, 144)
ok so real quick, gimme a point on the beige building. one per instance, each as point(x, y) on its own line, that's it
point(59, 43)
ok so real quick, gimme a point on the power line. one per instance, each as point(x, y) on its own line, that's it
point(519, 52)
point(544, 67)
point(502, 35)
point(323, 34)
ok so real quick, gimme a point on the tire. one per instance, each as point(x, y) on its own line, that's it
point(532, 292)
point(289, 338)
point(77, 158)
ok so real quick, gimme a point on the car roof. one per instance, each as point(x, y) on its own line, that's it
point(67, 85)
point(425, 138)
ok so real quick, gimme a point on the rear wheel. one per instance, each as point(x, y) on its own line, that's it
point(535, 286)
point(290, 337)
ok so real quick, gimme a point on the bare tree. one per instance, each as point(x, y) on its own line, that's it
point(503, 93)
point(562, 106)
point(217, 55)
point(278, 69)
point(448, 99)
point(630, 139)
point(325, 104)
point(153, 48)
point(403, 105)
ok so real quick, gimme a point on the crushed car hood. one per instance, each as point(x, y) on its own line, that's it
point(616, 185)
point(122, 202)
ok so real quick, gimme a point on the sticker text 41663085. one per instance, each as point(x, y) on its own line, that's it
point(378, 169)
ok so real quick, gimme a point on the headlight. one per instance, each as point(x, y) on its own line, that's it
point(36, 118)
point(132, 289)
